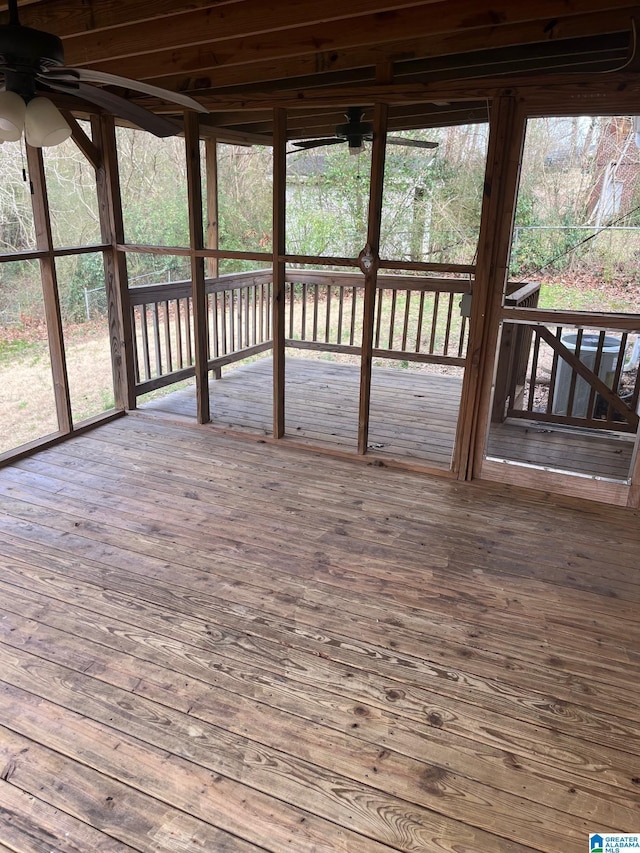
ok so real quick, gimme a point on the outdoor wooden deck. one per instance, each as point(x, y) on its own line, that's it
point(413, 417)
point(210, 643)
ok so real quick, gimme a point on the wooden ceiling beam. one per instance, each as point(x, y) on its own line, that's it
point(217, 23)
point(312, 50)
point(67, 18)
point(585, 86)
point(589, 53)
point(311, 119)
point(583, 49)
point(324, 63)
point(321, 123)
point(233, 136)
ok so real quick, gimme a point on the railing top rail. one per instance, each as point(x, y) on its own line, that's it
point(576, 319)
point(385, 282)
point(160, 292)
point(523, 291)
point(147, 294)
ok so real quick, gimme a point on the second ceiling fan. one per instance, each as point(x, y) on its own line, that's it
point(355, 132)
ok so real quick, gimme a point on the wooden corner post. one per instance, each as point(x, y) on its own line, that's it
point(196, 243)
point(115, 262)
point(506, 140)
point(279, 248)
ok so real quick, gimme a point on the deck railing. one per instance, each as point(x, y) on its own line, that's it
point(239, 323)
point(575, 377)
point(416, 319)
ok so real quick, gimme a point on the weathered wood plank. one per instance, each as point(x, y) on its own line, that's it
point(379, 817)
point(489, 765)
point(347, 631)
point(481, 689)
point(113, 807)
point(30, 825)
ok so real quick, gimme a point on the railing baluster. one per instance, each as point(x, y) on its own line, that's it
point(434, 322)
point(447, 333)
point(533, 380)
point(254, 296)
point(405, 328)
point(247, 318)
point(178, 328)
point(352, 331)
point(392, 317)
point(232, 320)
point(263, 336)
point(269, 309)
point(327, 323)
point(136, 361)
point(215, 325)
point(461, 342)
point(574, 375)
point(315, 313)
point(167, 338)
point(156, 338)
point(618, 371)
point(145, 342)
point(291, 308)
point(420, 316)
point(340, 315)
point(223, 322)
point(379, 306)
point(303, 321)
point(554, 374)
point(187, 313)
point(596, 369)
point(239, 314)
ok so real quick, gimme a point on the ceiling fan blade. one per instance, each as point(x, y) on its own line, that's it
point(114, 104)
point(411, 143)
point(305, 144)
point(87, 75)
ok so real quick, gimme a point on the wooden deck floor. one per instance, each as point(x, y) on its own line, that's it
point(550, 446)
point(413, 417)
point(210, 643)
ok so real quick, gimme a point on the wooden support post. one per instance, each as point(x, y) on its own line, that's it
point(211, 166)
point(115, 263)
point(44, 243)
point(369, 261)
point(506, 140)
point(196, 240)
point(634, 490)
point(278, 313)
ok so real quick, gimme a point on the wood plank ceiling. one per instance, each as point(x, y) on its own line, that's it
point(241, 57)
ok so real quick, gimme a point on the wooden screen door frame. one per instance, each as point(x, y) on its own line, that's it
point(508, 126)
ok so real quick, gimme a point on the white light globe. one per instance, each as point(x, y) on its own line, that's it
point(12, 112)
point(44, 124)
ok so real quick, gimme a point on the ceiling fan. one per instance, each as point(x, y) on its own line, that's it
point(355, 132)
point(32, 62)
